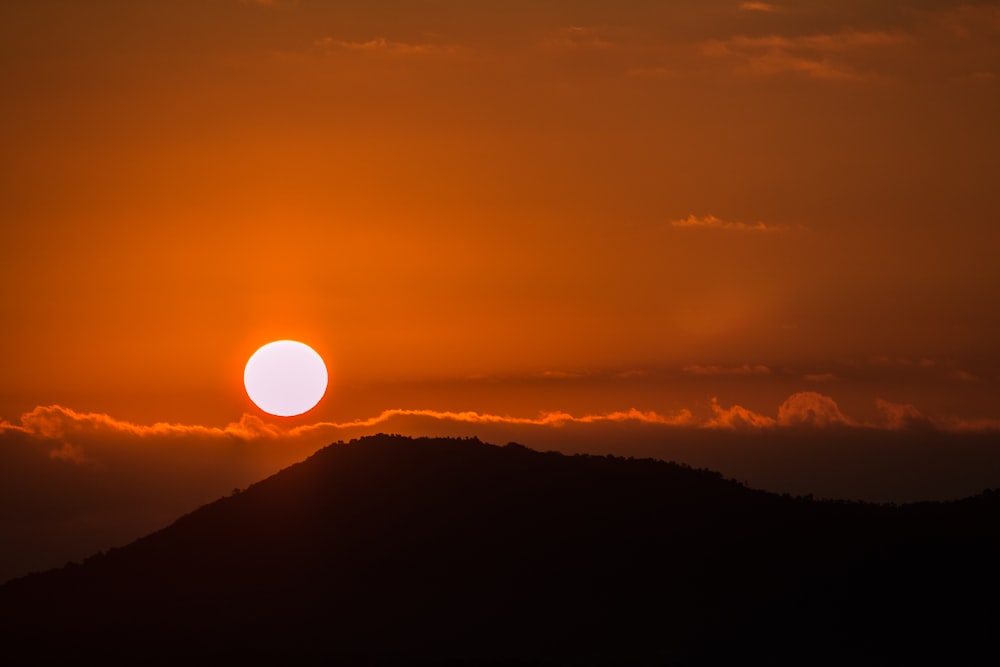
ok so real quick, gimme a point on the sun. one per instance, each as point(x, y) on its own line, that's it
point(285, 378)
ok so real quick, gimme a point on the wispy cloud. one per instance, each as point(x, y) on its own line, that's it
point(67, 428)
point(554, 418)
point(885, 361)
point(820, 56)
point(652, 72)
point(745, 369)
point(712, 222)
point(899, 415)
point(270, 3)
point(819, 377)
point(69, 453)
point(561, 375)
point(759, 7)
point(969, 425)
point(58, 422)
point(821, 43)
point(964, 376)
point(970, 21)
point(580, 37)
point(980, 75)
point(381, 45)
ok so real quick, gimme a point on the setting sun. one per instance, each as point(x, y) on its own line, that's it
point(285, 378)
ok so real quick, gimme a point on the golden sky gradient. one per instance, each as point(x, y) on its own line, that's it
point(452, 201)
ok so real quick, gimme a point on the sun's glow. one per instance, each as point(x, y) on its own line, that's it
point(285, 378)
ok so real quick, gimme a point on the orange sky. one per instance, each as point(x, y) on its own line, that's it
point(756, 237)
point(452, 201)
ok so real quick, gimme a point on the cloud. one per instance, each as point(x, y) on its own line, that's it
point(381, 45)
point(632, 373)
point(736, 417)
point(902, 363)
point(57, 422)
point(652, 72)
point(758, 7)
point(982, 425)
point(271, 3)
point(745, 369)
point(75, 434)
point(944, 369)
point(561, 375)
point(970, 21)
point(69, 453)
point(821, 43)
point(778, 62)
point(712, 222)
point(808, 408)
point(554, 418)
point(885, 360)
point(579, 37)
point(900, 415)
point(804, 408)
point(819, 56)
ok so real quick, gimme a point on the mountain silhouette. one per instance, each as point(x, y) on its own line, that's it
point(392, 550)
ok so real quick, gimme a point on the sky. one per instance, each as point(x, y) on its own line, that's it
point(526, 219)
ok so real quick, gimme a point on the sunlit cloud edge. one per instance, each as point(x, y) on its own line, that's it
point(807, 409)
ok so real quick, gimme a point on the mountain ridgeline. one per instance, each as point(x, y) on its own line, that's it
point(391, 550)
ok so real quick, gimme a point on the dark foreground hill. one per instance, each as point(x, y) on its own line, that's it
point(400, 551)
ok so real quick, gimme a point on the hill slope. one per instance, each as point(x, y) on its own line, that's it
point(389, 549)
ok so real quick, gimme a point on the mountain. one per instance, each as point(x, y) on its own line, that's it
point(391, 550)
